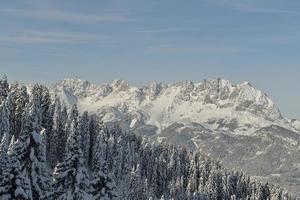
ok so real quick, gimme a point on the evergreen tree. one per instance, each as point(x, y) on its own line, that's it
point(193, 179)
point(100, 149)
point(21, 99)
point(276, 193)
point(137, 189)
point(5, 186)
point(263, 192)
point(4, 88)
point(71, 120)
point(94, 130)
point(47, 118)
point(30, 151)
point(85, 135)
point(103, 185)
point(5, 126)
point(63, 137)
point(14, 184)
point(71, 177)
point(57, 133)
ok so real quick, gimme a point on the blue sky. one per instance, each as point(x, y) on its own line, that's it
point(154, 40)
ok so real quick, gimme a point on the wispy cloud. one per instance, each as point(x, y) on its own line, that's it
point(165, 30)
point(168, 49)
point(51, 37)
point(66, 16)
point(251, 8)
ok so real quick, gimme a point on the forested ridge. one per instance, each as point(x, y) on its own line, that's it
point(51, 152)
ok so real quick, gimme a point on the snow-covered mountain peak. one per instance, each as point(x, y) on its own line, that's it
point(73, 82)
point(218, 91)
point(218, 103)
point(74, 85)
point(119, 85)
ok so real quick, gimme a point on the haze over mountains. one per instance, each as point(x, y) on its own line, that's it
point(237, 124)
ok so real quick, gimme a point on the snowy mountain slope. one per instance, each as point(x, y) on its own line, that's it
point(270, 154)
point(238, 124)
point(295, 124)
point(217, 103)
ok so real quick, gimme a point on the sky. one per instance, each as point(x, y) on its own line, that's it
point(164, 41)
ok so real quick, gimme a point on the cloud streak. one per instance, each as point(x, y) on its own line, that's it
point(52, 37)
point(65, 16)
point(166, 49)
point(165, 30)
point(251, 8)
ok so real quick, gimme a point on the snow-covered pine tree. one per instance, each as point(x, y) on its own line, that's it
point(63, 137)
point(117, 167)
point(263, 191)
point(71, 177)
point(4, 145)
point(177, 189)
point(71, 120)
point(19, 104)
point(99, 151)
point(30, 151)
point(215, 185)
point(103, 184)
point(47, 112)
point(4, 88)
point(276, 193)
point(243, 186)
point(14, 184)
point(57, 132)
point(137, 188)
point(5, 125)
point(193, 179)
point(126, 167)
point(85, 135)
point(28, 156)
point(47, 116)
point(94, 130)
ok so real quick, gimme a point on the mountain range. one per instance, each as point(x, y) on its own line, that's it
point(234, 123)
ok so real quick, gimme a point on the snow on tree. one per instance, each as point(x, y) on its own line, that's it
point(94, 129)
point(99, 151)
point(30, 152)
point(214, 186)
point(103, 184)
point(5, 185)
point(63, 134)
point(276, 193)
point(19, 102)
point(85, 135)
point(15, 182)
point(57, 133)
point(4, 88)
point(5, 127)
point(137, 188)
point(71, 177)
point(47, 111)
point(72, 120)
point(193, 179)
